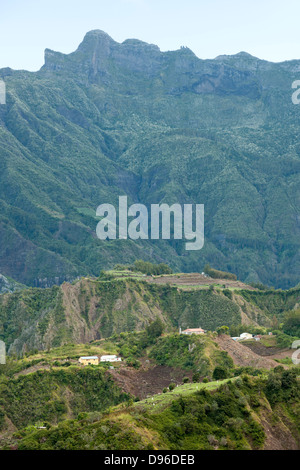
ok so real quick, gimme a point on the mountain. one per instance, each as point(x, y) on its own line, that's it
point(116, 119)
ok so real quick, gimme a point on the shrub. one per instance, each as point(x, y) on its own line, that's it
point(257, 433)
point(228, 293)
point(132, 362)
point(196, 377)
point(223, 330)
point(220, 373)
point(278, 369)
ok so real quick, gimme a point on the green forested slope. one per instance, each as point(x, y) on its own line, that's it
point(112, 119)
point(54, 395)
point(242, 414)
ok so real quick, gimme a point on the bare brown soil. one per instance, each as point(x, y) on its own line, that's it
point(196, 279)
point(271, 353)
point(242, 355)
point(146, 382)
point(278, 435)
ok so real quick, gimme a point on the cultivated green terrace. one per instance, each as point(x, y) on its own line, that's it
point(116, 119)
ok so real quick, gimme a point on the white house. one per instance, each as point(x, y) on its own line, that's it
point(245, 336)
point(110, 358)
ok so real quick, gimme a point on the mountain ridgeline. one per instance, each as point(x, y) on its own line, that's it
point(94, 308)
point(116, 119)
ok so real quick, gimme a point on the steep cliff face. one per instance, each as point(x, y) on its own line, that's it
point(99, 56)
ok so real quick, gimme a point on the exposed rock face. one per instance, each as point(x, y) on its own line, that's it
point(98, 55)
point(98, 49)
point(7, 285)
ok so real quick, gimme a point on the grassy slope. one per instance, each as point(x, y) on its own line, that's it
point(238, 414)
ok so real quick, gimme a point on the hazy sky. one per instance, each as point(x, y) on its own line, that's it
point(268, 29)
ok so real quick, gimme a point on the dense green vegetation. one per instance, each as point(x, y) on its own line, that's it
point(190, 352)
point(151, 268)
point(193, 353)
point(230, 417)
point(291, 324)
point(30, 309)
point(214, 273)
point(127, 119)
point(285, 341)
point(273, 302)
point(75, 405)
point(52, 396)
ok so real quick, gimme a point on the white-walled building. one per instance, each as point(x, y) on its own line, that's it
point(193, 331)
point(110, 358)
point(242, 337)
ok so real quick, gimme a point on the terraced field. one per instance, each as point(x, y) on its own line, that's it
point(185, 281)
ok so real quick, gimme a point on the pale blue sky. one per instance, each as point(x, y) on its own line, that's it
point(268, 29)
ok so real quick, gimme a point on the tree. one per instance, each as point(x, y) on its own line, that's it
point(220, 373)
point(155, 329)
point(223, 330)
point(214, 273)
point(273, 387)
point(196, 377)
point(151, 268)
